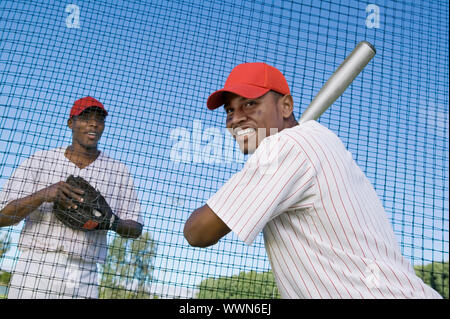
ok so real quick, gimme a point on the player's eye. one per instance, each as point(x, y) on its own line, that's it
point(228, 110)
point(97, 119)
point(249, 103)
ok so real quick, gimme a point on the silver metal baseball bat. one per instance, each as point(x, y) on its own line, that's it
point(339, 81)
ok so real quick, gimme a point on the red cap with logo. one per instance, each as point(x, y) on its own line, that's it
point(250, 80)
point(84, 103)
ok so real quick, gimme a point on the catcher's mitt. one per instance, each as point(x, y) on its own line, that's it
point(93, 213)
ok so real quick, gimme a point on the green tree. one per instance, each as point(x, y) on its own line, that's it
point(436, 276)
point(128, 268)
point(5, 276)
point(246, 285)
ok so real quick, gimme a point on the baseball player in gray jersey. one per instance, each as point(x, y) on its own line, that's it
point(56, 261)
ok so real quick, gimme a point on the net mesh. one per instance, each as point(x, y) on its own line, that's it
point(153, 64)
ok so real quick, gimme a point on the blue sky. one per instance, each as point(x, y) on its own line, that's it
point(153, 64)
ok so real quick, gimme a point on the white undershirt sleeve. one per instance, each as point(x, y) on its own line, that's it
point(22, 182)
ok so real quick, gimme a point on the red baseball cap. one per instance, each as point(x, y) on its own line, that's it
point(250, 80)
point(84, 103)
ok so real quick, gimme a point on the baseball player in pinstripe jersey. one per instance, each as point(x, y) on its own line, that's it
point(325, 231)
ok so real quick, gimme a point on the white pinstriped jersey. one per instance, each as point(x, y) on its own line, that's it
point(325, 230)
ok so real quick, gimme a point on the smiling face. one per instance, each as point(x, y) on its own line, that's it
point(87, 128)
point(251, 120)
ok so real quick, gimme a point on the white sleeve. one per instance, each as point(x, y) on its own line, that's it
point(128, 203)
point(22, 182)
point(275, 177)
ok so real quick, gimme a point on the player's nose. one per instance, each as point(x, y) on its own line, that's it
point(237, 118)
point(94, 122)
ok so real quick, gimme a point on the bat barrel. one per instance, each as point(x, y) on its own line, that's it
point(339, 81)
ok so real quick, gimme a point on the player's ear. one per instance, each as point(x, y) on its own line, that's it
point(286, 103)
point(70, 123)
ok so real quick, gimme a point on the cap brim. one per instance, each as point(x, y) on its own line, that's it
point(101, 109)
point(92, 107)
point(216, 99)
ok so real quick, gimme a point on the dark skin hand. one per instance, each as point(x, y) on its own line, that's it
point(87, 129)
point(271, 111)
point(18, 209)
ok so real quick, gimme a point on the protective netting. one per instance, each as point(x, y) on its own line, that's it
point(153, 64)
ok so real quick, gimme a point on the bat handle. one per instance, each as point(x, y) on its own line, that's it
point(339, 81)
